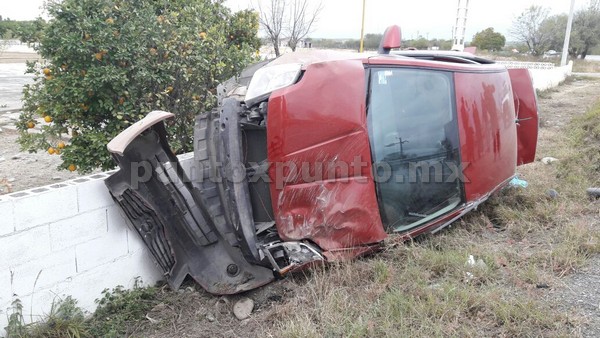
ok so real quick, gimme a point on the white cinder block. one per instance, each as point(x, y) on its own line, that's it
point(24, 246)
point(5, 293)
point(43, 272)
point(101, 250)
point(7, 217)
point(49, 205)
point(116, 219)
point(78, 229)
point(88, 286)
point(117, 222)
point(38, 304)
point(93, 194)
point(134, 241)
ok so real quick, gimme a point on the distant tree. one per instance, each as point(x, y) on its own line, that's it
point(527, 29)
point(353, 44)
point(487, 39)
point(292, 18)
point(371, 41)
point(586, 30)
point(9, 29)
point(554, 28)
point(585, 34)
point(421, 43)
point(442, 44)
point(31, 31)
point(272, 21)
point(301, 20)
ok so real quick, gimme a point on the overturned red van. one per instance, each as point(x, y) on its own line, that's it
point(319, 156)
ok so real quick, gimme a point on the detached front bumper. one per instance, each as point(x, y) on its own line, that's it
point(199, 226)
point(172, 217)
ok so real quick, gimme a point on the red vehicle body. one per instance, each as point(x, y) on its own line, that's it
point(292, 173)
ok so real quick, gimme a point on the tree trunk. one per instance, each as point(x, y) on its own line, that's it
point(584, 53)
point(276, 48)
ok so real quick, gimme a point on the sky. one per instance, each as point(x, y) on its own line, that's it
point(342, 18)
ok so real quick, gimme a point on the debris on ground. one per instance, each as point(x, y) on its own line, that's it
point(593, 192)
point(549, 160)
point(552, 194)
point(517, 182)
point(243, 308)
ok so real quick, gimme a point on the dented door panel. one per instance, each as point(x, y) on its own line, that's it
point(335, 208)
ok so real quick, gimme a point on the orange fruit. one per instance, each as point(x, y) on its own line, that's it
point(152, 51)
point(98, 56)
point(30, 124)
point(57, 151)
point(51, 151)
point(48, 118)
point(61, 145)
point(202, 35)
point(47, 71)
point(72, 167)
point(110, 21)
point(49, 77)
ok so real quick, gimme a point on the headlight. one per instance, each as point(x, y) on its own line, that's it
point(270, 78)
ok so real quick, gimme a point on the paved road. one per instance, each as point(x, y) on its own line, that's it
point(588, 74)
point(12, 80)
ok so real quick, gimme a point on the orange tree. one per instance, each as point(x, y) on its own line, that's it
point(109, 62)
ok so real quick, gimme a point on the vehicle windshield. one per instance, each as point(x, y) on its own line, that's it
point(414, 144)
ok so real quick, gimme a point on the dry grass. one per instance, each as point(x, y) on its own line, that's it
point(526, 239)
point(585, 66)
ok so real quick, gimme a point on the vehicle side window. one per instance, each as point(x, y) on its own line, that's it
point(414, 143)
point(413, 108)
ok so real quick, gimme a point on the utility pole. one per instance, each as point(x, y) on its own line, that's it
point(565, 51)
point(458, 34)
point(362, 29)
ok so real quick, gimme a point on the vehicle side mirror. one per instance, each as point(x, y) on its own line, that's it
point(392, 38)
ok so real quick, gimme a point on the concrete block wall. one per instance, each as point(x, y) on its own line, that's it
point(67, 239)
point(549, 78)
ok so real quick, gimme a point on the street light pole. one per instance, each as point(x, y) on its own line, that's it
point(565, 51)
point(362, 28)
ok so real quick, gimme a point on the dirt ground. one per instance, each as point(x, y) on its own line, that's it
point(578, 293)
point(22, 170)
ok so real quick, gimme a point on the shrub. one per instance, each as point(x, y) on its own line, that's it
point(110, 62)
